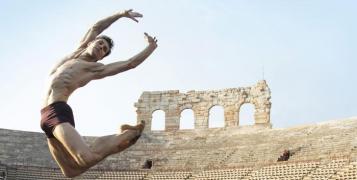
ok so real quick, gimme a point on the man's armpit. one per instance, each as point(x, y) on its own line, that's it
point(98, 68)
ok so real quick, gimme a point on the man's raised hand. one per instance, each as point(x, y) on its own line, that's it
point(151, 40)
point(132, 15)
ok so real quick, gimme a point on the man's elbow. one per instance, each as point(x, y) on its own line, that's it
point(95, 27)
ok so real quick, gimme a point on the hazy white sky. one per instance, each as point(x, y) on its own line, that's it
point(308, 49)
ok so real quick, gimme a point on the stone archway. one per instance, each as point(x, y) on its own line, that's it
point(158, 120)
point(245, 115)
point(187, 119)
point(216, 117)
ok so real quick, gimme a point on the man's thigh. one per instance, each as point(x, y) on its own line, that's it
point(71, 140)
point(61, 155)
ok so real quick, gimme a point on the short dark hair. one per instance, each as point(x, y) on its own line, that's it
point(109, 41)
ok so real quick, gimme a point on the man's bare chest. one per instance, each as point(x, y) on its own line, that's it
point(75, 72)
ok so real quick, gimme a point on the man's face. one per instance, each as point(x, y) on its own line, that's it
point(98, 48)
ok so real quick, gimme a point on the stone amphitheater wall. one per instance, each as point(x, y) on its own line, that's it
point(173, 103)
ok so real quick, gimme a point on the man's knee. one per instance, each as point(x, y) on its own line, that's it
point(70, 173)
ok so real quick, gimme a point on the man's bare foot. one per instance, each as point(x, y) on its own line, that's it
point(130, 134)
point(139, 127)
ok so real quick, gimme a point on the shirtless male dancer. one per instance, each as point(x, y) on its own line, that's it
point(66, 145)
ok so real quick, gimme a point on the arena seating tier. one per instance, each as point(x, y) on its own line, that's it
point(322, 151)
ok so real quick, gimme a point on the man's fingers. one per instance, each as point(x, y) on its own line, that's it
point(149, 38)
point(140, 15)
point(135, 14)
point(134, 19)
point(147, 35)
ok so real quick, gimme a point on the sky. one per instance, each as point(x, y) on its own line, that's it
point(306, 50)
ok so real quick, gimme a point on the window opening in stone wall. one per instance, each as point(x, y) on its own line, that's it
point(158, 120)
point(187, 120)
point(246, 114)
point(216, 117)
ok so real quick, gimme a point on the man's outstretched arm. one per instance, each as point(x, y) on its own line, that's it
point(94, 31)
point(120, 66)
point(103, 24)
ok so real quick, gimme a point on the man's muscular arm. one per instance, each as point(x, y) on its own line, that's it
point(94, 31)
point(120, 66)
point(103, 24)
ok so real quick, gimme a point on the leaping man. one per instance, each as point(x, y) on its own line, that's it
point(76, 70)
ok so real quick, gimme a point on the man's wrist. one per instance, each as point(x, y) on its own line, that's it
point(120, 14)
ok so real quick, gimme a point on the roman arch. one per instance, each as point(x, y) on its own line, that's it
point(173, 102)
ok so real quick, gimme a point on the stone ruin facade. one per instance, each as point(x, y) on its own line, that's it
point(173, 103)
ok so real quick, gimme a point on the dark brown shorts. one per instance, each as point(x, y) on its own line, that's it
point(54, 114)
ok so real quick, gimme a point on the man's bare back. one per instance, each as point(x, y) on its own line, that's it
point(67, 147)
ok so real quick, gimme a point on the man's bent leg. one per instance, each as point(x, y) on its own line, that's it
point(86, 157)
point(75, 146)
point(64, 160)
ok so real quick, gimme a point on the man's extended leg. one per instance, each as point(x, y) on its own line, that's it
point(86, 157)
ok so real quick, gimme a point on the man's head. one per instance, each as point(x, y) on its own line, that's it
point(100, 47)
